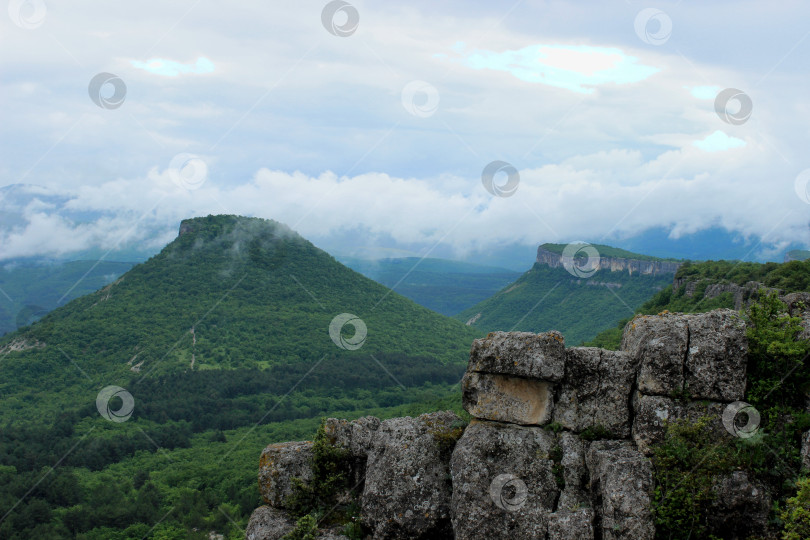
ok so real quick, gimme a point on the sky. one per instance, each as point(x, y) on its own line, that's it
point(454, 129)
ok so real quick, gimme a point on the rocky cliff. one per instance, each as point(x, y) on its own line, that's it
point(559, 446)
point(614, 264)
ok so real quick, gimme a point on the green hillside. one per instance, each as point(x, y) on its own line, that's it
point(547, 298)
point(32, 288)
point(223, 341)
point(789, 277)
point(445, 286)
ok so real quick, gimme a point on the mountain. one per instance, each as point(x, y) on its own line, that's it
point(549, 297)
point(30, 288)
point(150, 392)
point(445, 286)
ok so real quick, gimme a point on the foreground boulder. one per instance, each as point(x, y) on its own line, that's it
point(521, 354)
point(407, 485)
point(507, 399)
point(503, 481)
point(622, 484)
point(267, 523)
point(595, 391)
point(278, 465)
point(701, 355)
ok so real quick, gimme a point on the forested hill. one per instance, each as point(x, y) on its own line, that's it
point(237, 333)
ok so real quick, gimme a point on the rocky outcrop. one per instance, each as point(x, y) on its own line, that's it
point(559, 443)
point(615, 264)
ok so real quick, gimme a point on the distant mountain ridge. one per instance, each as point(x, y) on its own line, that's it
point(612, 259)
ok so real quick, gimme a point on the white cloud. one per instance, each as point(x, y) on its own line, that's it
point(171, 68)
point(579, 68)
point(718, 141)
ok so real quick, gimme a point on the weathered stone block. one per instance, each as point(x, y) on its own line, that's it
point(278, 465)
point(355, 436)
point(407, 486)
point(621, 482)
point(659, 344)
point(503, 481)
point(522, 354)
point(267, 523)
point(507, 399)
point(716, 361)
point(596, 391)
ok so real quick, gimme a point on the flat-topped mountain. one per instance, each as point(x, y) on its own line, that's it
point(612, 259)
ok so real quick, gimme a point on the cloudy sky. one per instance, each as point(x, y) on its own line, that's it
point(368, 127)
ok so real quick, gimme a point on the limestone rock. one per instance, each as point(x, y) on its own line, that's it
point(267, 523)
point(659, 344)
point(596, 391)
point(703, 353)
point(716, 362)
point(571, 525)
point(573, 460)
point(507, 399)
point(278, 465)
point(522, 354)
point(407, 486)
point(741, 507)
point(805, 451)
point(654, 412)
point(622, 484)
point(354, 436)
point(503, 481)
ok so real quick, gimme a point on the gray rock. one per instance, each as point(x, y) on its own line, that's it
point(659, 344)
point(523, 354)
point(278, 465)
point(741, 507)
point(355, 436)
point(621, 483)
point(267, 523)
point(507, 399)
point(703, 353)
point(716, 363)
point(503, 481)
point(654, 412)
point(571, 525)
point(573, 460)
point(805, 451)
point(407, 487)
point(596, 391)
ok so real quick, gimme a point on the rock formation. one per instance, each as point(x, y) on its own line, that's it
point(614, 264)
point(559, 443)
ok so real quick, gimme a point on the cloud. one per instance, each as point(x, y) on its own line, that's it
point(704, 92)
point(718, 141)
point(579, 68)
point(170, 68)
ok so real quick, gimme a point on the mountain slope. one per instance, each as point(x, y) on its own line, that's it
point(548, 297)
point(445, 286)
point(220, 343)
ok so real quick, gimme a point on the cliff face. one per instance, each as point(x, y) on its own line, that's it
point(559, 446)
point(614, 264)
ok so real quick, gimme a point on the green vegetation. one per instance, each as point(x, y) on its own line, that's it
point(690, 460)
point(33, 288)
point(796, 515)
point(607, 251)
point(547, 298)
point(259, 367)
point(446, 287)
